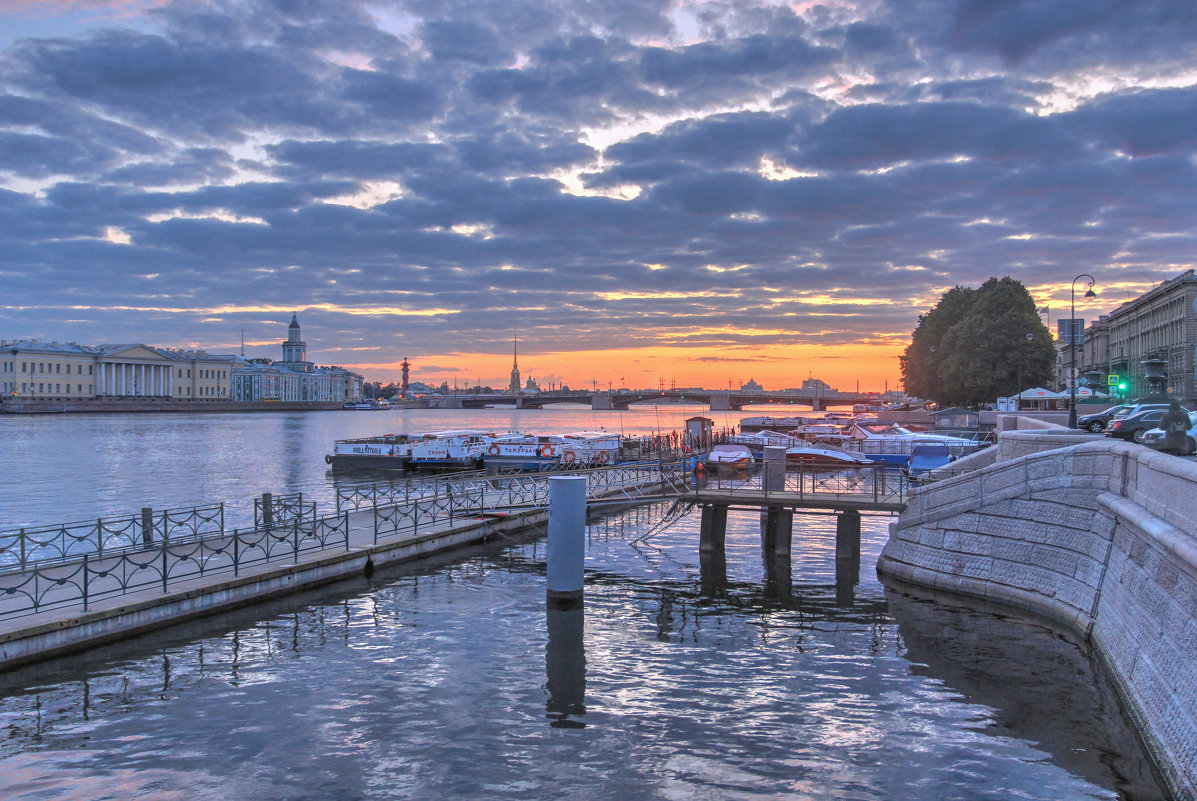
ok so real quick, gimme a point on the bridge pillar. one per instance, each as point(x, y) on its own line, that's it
point(601, 402)
point(712, 533)
point(721, 402)
point(817, 405)
point(847, 534)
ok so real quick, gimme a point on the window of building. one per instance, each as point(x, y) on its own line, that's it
point(41, 367)
point(58, 368)
point(23, 367)
point(41, 388)
point(80, 389)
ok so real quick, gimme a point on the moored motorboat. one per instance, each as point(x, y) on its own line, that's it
point(725, 459)
point(823, 455)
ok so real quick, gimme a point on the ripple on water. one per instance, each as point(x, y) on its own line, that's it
point(450, 680)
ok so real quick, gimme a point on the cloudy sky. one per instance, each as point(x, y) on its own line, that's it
point(642, 191)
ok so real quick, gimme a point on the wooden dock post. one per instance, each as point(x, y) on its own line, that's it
point(712, 534)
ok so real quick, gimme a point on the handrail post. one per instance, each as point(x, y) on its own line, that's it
point(23, 555)
point(236, 552)
point(147, 525)
point(84, 582)
point(99, 538)
point(347, 529)
point(164, 565)
point(295, 539)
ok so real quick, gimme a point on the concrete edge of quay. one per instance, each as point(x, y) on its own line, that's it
point(81, 405)
point(57, 633)
point(1097, 536)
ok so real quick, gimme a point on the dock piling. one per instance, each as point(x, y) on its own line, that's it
point(566, 551)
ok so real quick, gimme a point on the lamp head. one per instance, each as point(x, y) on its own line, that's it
point(1089, 293)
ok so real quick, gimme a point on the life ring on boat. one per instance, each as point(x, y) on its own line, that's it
point(327, 458)
point(546, 450)
point(568, 456)
point(686, 449)
point(603, 458)
point(493, 450)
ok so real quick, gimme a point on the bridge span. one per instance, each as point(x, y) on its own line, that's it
point(716, 399)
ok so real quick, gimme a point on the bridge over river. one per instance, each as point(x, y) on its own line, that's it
point(716, 399)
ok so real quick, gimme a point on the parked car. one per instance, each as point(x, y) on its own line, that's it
point(1135, 425)
point(1155, 437)
point(1098, 422)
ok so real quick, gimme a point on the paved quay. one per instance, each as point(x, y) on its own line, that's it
point(1093, 533)
point(56, 607)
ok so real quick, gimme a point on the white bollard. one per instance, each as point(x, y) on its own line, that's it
point(567, 541)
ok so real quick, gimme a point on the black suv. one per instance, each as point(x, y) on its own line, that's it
point(1135, 426)
point(1098, 422)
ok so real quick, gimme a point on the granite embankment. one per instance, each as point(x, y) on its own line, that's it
point(1096, 534)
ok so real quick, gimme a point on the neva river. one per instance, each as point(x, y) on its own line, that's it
point(449, 679)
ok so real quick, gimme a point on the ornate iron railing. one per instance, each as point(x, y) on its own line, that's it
point(36, 544)
point(117, 558)
point(93, 577)
point(875, 482)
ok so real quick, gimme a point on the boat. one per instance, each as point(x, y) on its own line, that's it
point(825, 456)
point(367, 405)
point(927, 456)
point(892, 444)
point(750, 425)
point(726, 459)
point(590, 448)
point(458, 449)
point(385, 452)
point(757, 441)
point(524, 452)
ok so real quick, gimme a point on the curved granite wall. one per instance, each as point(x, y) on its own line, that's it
point(1101, 536)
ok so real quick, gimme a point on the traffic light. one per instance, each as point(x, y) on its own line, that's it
point(1123, 387)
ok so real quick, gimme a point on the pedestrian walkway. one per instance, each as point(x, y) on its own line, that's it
point(54, 607)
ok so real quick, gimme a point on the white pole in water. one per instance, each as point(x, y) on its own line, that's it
point(567, 540)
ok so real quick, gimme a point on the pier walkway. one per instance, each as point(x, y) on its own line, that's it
point(72, 586)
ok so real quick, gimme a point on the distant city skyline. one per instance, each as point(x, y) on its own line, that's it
point(641, 192)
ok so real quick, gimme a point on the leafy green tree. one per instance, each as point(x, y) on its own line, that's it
point(968, 349)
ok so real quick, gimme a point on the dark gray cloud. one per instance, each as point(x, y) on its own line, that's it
point(756, 169)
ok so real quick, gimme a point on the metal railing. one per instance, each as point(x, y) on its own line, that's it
point(94, 577)
point(874, 483)
point(190, 544)
point(37, 544)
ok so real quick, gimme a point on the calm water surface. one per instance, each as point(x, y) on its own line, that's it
point(680, 680)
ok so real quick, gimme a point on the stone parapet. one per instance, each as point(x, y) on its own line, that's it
point(1099, 536)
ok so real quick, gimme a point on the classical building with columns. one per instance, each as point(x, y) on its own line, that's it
point(65, 371)
point(294, 378)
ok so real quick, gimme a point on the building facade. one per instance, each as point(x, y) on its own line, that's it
point(64, 371)
point(294, 378)
point(1160, 324)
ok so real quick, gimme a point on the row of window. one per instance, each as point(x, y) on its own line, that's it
point(44, 367)
point(9, 387)
point(56, 367)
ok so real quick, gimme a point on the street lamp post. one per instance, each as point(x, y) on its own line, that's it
point(1089, 293)
point(1018, 389)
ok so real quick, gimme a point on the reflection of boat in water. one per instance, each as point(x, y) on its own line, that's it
point(724, 459)
point(825, 456)
point(368, 405)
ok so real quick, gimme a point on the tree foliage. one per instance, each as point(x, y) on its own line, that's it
point(968, 349)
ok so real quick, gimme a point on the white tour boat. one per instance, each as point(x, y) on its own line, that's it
point(450, 450)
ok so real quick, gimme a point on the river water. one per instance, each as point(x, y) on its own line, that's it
point(449, 679)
